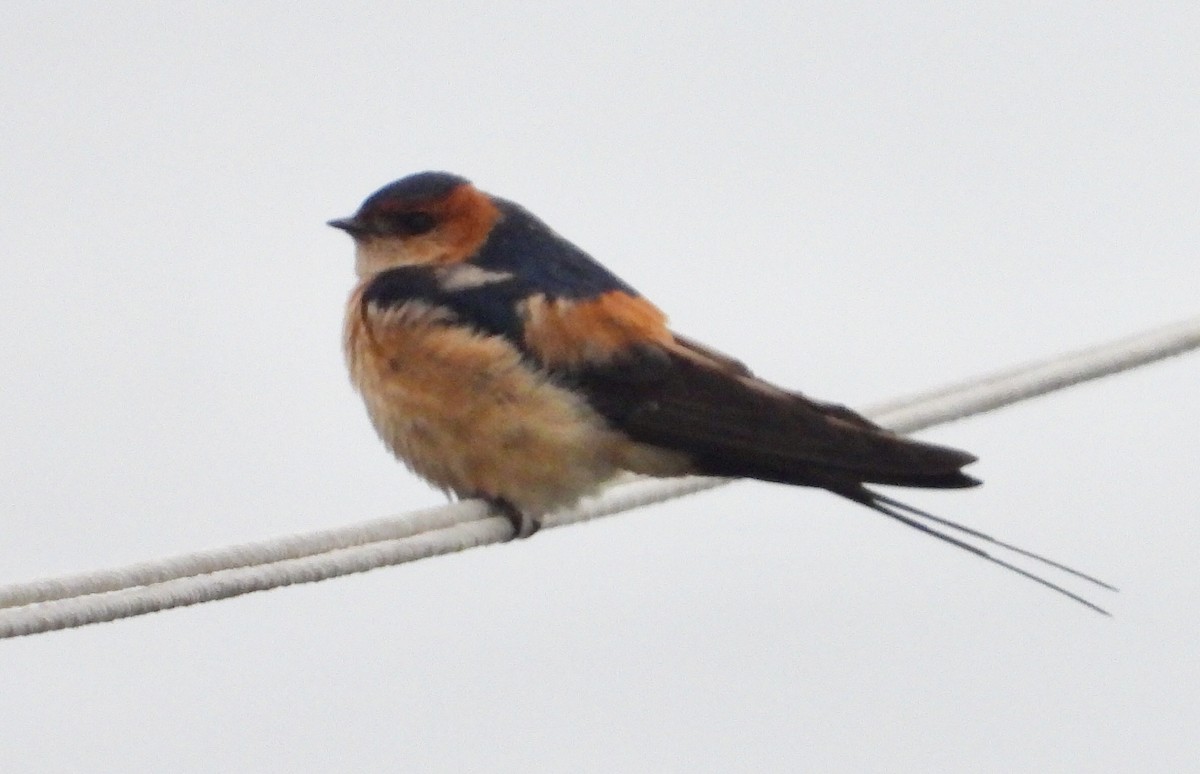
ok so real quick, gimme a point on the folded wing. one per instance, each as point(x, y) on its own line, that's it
point(691, 399)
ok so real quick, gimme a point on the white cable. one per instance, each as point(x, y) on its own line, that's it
point(980, 395)
point(621, 498)
point(241, 555)
point(93, 597)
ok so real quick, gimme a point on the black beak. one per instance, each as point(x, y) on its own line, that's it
point(351, 225)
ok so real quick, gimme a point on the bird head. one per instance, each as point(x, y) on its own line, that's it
point(426, 218)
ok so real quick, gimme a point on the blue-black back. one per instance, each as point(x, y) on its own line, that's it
point(522, 244)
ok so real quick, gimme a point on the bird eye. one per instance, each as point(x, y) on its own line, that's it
point(411, 223)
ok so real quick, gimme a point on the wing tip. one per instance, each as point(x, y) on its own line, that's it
point(953, 480)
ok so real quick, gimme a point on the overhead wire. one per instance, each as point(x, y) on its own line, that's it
point(204, 576)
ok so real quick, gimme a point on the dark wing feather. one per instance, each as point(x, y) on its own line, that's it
point(732, 424)
point(695, 400)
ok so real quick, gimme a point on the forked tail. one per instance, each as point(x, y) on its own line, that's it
point(894, 509)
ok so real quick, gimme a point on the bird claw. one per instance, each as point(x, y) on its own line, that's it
point(524, 525)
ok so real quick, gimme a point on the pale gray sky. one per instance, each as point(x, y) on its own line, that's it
point(860, 200)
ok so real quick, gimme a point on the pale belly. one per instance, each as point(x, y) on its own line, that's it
point(466, 413)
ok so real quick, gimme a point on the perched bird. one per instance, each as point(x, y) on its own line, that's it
point(498, 360)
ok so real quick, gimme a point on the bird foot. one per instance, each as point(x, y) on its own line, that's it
point(524, 525)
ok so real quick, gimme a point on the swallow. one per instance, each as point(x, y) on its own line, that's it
point(497, 360)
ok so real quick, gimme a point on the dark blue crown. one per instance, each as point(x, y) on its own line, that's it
point(421, 187)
